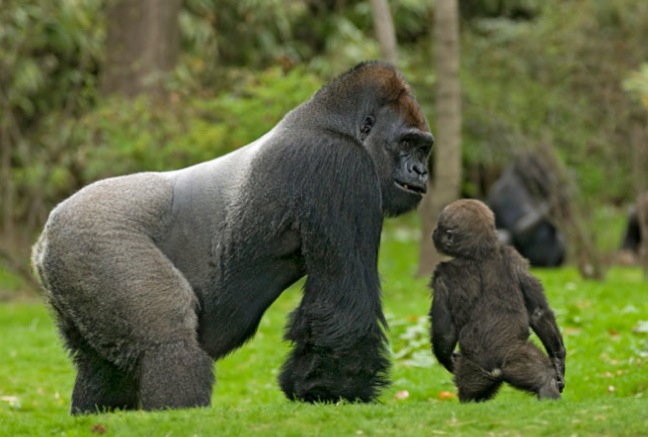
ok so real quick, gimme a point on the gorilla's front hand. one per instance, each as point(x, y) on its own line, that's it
point(324, 369)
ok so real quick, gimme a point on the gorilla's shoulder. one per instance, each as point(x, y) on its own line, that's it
point(512, 257)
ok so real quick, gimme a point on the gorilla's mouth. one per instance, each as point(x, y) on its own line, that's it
point(416, 189)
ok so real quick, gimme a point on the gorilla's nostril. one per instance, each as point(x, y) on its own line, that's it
point(420, 170)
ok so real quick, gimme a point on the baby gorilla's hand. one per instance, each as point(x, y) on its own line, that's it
point(559, 366)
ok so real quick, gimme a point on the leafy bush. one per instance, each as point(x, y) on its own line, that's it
point(49, 52)
point(125, 136)
point(558, 78)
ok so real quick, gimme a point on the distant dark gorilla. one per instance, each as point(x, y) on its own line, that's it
point(632, 235)
point(521, 202)
point(485, 299)
point(154, 275)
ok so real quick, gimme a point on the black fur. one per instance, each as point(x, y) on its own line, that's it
point(154, 275)
point(522, 202)
point(632, 236)
point(485, 300)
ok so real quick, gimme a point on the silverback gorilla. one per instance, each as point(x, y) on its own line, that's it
point(485, 299)
point(152, 276)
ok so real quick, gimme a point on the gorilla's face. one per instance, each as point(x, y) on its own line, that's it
point(400, 150)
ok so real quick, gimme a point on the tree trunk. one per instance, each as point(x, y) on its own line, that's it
point(6, 183)
point(639, 162)
point(384, 28)
point(642, 217)
point(445, 164)
point(142, 45)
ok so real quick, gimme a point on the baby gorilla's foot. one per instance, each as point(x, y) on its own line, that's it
point(549, 390)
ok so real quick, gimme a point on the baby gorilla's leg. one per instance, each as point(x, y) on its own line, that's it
point(473, 382)
point(528, 368)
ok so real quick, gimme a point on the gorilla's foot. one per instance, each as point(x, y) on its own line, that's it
point(549, 390)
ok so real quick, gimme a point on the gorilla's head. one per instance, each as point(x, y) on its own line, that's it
point(466, 229)
point(394, 130)
point(373, 104)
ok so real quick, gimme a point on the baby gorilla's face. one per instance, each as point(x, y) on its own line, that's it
point(466, 228)
point(443, 238)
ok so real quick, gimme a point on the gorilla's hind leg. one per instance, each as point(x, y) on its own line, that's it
point(530, 370)
point(175, 375)
point(101, 386)
point(475, 383)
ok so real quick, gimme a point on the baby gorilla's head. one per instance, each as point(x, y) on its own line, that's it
point(466, 229)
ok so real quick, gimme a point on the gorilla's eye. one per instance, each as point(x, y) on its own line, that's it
point(404, 144)
point(367, 125)
point(449, 235)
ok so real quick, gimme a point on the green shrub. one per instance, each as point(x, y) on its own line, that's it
point(121, 136)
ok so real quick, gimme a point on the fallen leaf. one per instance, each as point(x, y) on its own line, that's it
point(446, 395)
point(98, 428)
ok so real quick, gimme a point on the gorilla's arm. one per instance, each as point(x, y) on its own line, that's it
point(338, 329)
point(443, 331)
point(543, 322)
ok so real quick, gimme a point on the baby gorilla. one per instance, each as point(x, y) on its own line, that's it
point(485, 299)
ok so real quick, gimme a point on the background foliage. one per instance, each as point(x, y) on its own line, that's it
point(568, 73)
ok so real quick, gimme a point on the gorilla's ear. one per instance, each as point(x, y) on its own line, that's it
point(367, 124)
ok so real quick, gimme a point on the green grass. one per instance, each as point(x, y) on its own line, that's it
point(606, 392)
